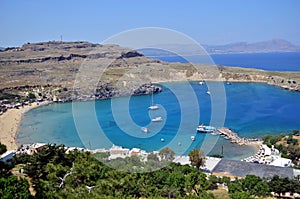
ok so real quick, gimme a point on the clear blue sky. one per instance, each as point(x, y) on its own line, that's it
point(207, 21)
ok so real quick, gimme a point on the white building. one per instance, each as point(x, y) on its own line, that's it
point(281, 162)
point(8, 155)
point(118, 152)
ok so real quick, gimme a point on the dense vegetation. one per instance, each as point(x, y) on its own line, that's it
point(54, 173)
point(10, 185)
point(287, 145)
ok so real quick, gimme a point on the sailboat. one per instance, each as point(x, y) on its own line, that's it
point(157, 119)
point(153, 106)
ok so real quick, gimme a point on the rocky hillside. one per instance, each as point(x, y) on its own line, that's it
point(64, 71)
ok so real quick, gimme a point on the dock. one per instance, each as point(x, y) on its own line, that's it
point(234, 138)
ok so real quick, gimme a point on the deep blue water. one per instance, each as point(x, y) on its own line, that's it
point(289, 61)
point(252, 110)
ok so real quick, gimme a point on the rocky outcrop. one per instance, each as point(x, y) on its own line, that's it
point(284, 81)
point(63, 94)
point(130, 54)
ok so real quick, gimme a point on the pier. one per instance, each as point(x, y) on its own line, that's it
point(234, 138)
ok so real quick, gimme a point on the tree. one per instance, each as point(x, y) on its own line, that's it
point(196, 182)
point(197, 158)
point(241, 195)
point(152, 157)
point(3, 148)
point(4, 167)
point(261, 189)
point(102, 156)
point(31, 96)
point(167, 154)
point(12, 187)
point(255, 186)
point(214, 180)
point(295, 132)
point(276, 185)
point(56, 174)
point(235, 186)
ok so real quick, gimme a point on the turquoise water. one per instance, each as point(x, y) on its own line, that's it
point(252, 110)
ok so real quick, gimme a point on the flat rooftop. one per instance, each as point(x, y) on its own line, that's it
point(241, 169)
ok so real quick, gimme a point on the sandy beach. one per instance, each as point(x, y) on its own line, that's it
point(9, 124)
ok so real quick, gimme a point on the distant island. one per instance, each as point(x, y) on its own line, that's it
point(274, 45)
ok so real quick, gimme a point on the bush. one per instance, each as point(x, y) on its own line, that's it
point(296, 132)
point(31, 96)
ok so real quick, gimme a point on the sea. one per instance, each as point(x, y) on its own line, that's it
point(288, 61)
point(250, 109)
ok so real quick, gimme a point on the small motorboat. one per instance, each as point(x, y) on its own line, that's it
point(145, 129)
point(193, 138)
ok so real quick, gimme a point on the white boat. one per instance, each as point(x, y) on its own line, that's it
point(208, 92)
point(162, 139)
point(145, 129)
point(201, 82)
point(153, 107)
point(157, 119)
point(206, 129)
point(193, 138)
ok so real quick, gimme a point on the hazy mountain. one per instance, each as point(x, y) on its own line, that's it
point(274, 45)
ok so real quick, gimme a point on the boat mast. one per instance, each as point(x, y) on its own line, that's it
point(152, 96)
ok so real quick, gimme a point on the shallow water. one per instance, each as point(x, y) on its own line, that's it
point(252, 110)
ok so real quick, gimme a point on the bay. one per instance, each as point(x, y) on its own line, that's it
point(252, 110)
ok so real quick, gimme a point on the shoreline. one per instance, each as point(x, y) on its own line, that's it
point(10, 122)
point(11, 119)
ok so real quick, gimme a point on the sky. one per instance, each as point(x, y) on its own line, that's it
point(206, 21)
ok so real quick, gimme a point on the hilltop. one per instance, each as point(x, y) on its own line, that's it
point(48, 70)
